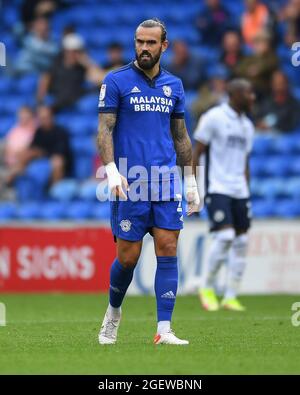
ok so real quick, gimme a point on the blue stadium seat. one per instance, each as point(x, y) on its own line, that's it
point(64, 190)
point(11, 103)
point(276, 166)
point(31, 185)
point(5, 85)
point(27, 84)
point(83, 167)
point(268, 188)
point(53, 211)
point(87, 190)
point(287, 208)
point(294, 165)
point(101, 211)
point(6, 124)
point(8, 211)
point(262, 145)
point(79, 210)
point(292, 188)
point(29, 211)
point(263, 208)
point(87, 104)
point(283, 145)
point(256, 166)
point(82, 125)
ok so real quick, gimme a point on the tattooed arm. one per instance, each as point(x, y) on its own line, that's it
point(183, 148)
point(182, 142)
point(105, 143)
point(106, 126)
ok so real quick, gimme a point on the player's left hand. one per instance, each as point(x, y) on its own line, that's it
point(192, 195)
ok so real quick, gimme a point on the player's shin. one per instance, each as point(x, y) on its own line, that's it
point(218, 254)
point(236, 267)
point(120, 279)
point(166, 282)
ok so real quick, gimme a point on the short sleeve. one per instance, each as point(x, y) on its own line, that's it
point(109, 95)
point(178, 111)
point(204, 129)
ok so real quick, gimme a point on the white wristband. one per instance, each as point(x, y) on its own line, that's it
point(191, 188)
point(113, 175)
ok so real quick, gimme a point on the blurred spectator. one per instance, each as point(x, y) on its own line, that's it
point(291, 15)
point(30, 9)
point(254, 20)
point(20, 136)
point(258, 68)
point(50, 141)
point(212, 22)
point(115, 57)
point(186, 66)
point(38, 49)
point(232, 52)
point(67, 77)
point(213, 92)
point(280, 110)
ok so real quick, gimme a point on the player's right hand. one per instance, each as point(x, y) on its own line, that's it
point(118, 190)
point(116, 182)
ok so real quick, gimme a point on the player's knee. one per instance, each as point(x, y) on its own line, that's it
point(225, 237)
point(128, 259)
point(240, 244)
point(167, 247)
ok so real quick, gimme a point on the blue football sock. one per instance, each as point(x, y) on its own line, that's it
point(166, 282)
point(120, 279)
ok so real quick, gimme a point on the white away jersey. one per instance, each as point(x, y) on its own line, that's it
point(229, 137)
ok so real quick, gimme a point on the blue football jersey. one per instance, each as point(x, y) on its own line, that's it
point(144, 109)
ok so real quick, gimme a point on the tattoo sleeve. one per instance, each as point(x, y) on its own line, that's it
point(105, 143)
point(182, 142)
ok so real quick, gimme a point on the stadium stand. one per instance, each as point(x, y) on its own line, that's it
point(274, 163)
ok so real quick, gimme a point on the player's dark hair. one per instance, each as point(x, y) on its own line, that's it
point(155, 22)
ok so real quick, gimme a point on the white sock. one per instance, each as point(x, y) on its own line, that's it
point(163, 327)
point(236, 265)
point(114, 312)
point(218, 254)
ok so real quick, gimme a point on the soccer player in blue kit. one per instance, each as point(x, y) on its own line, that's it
point(141, 119)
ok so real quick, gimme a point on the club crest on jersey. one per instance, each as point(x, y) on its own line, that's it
point(102, 92)
point(125, 225)
point(167, 90)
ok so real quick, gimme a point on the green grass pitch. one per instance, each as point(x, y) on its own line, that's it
point(57, 334)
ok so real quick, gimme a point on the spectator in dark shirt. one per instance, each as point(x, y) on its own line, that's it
point(186, 66)
point(280, 110)
point(232, 52)
point(115, 57)
point(212, 22)
point(67, 77)
point(50, 141)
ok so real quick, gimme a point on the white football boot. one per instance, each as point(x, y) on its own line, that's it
point(169, 338)
point(109, 329)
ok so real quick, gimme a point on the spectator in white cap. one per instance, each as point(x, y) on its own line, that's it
point(66, 79)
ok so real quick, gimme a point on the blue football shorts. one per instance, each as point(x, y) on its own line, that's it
point(132, 220)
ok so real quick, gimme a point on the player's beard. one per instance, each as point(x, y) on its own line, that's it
point(148, 64)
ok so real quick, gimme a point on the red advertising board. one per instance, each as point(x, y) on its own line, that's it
point(66, 259)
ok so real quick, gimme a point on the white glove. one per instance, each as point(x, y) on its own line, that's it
point(116, 181)
point(191, 194)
